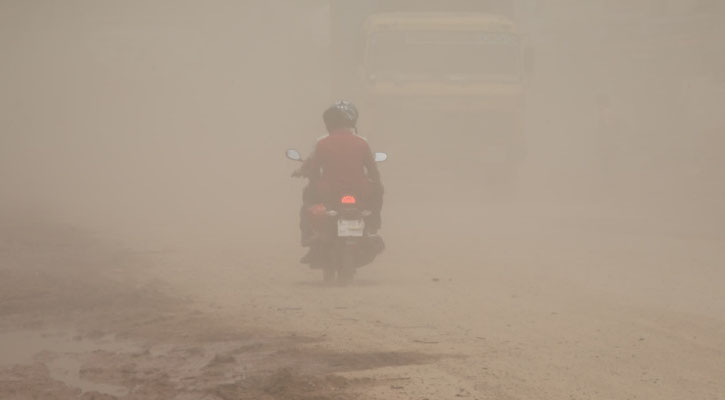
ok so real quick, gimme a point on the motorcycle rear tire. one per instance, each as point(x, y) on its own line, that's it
point(347, 267)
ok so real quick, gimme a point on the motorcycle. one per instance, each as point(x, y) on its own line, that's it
point(342, 241)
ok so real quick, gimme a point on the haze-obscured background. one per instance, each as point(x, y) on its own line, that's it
point(145, 113)
point(150, 112)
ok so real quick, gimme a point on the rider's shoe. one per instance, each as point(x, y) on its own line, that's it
point(310, 256)
point(310, 239)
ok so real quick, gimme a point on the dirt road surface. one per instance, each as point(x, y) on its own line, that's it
point(514, 313)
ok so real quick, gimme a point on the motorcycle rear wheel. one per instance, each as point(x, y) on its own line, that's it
point(346, 272)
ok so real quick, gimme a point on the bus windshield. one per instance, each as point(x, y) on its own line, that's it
point(445, 53)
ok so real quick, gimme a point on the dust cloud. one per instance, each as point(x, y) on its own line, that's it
point(146, 201)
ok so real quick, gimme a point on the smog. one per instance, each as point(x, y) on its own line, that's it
point(552, 215)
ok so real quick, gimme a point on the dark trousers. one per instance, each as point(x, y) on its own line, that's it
point(309, 198)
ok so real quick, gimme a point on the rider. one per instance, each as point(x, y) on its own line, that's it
point(341, 164)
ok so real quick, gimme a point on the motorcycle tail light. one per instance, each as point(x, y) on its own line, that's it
point(318, 210)
point(348, 200)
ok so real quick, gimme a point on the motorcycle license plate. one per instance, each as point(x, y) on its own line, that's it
point(350, 228)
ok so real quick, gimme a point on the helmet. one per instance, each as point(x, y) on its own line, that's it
point(342, 114)
point(349, 109)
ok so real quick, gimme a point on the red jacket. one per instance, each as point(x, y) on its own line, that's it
point(344, 164)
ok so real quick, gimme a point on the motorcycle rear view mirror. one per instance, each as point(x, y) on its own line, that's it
point(294, 155)
point(380, 157)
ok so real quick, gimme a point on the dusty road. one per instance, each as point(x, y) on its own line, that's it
point(549, 307)
point(552, 307)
